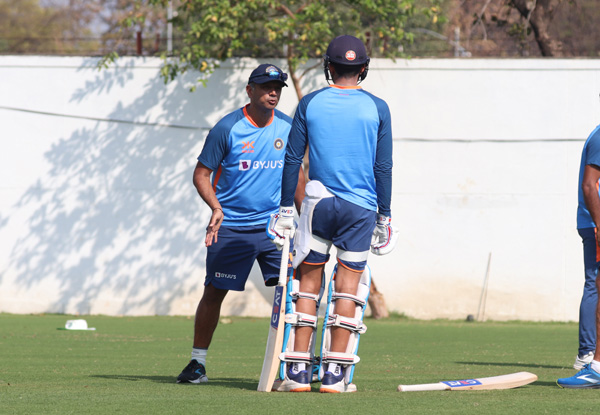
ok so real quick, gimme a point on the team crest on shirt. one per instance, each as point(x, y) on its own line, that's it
point(278, 144)
point(247, 146)
point(350, 55)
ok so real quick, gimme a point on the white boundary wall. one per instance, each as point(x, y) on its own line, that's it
point(98, 214)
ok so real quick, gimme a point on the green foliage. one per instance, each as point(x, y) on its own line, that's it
point(215, 30)
point(27, 27)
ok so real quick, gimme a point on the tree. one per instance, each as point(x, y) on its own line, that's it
point(28, 27)
point(297, 30)
point(524, 27)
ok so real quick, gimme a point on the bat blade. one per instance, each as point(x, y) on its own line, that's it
point(275, 339)
point(512, 380)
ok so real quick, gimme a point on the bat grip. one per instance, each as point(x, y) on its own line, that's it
point(285, 253)
point(425, 387)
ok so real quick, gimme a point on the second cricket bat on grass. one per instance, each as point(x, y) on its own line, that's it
point(275, 339)
point(513, 380)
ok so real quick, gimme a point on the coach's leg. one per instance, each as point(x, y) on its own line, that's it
point(205, 324)
point(207, 316)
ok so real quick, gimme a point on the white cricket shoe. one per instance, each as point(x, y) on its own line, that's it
point(332, 383)
point(581, 361)
point(293, 382)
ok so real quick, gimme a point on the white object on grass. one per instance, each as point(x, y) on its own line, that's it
point(78, 325)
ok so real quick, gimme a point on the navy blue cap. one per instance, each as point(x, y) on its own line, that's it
point(347, 50)
point(267, 73)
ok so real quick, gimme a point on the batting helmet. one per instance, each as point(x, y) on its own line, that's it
point(346, 50)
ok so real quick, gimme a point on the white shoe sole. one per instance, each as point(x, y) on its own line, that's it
point(340, 387)
point(289, 386)
point(201, 379)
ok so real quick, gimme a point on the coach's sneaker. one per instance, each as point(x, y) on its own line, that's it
point(587, 378)
point(581, 361)
point(335, 383)
point(194, 372)
point(293, 382)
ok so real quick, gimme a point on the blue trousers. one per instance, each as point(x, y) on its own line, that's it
point(587, 309)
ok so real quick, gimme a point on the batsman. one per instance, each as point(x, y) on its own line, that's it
point(347, 204)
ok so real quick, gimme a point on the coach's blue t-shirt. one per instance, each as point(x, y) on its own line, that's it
point(590, 155)
point(247, 162)
point(349, 137)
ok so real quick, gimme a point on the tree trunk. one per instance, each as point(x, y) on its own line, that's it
point(377, 303)
point(539, 14)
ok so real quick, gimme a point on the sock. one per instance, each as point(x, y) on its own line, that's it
point(199, 355)
point(595, 366)
point(298, 367)
point(334, 368)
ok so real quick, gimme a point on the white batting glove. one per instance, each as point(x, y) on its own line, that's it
point(384, 236)
point(280, 222)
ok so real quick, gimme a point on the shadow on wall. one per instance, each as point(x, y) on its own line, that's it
point(115, 220)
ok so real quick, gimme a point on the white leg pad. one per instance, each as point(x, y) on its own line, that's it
point(354, 325)
point(295, 319)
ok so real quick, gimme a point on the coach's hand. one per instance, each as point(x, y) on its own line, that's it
point(279, 222)
point(212, 230)
point(384, 236)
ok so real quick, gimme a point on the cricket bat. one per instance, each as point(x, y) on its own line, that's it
point(276, 328)
point(513, 380)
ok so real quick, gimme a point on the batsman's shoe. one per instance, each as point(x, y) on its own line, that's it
point(581, 361)
point(194, 372)
point(293, 382)
point(587, 378)
point(333, 383)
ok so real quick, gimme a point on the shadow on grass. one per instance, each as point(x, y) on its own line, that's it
point(236, 383)
point(524, 365)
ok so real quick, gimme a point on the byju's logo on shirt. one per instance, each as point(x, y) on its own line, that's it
point(247, 146)
point(268, 164)
point(245, 165)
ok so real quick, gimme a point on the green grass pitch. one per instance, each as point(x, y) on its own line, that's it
point(129, 365)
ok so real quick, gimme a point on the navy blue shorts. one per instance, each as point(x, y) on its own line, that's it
point(229, 261)
point(346, 225)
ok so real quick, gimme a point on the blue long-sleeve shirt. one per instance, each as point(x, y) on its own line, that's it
point(349, 136)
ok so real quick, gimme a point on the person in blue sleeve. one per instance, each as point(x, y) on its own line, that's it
point(238, 175)
point(348, 134)
point(587, 361)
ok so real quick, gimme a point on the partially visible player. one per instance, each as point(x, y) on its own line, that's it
point(349, 138)
point(588, 216)
point(244, 154)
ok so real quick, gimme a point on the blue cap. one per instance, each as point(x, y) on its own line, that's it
point(267, 73)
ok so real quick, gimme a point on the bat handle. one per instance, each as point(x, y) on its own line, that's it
point(285, 253)
point(425, 387)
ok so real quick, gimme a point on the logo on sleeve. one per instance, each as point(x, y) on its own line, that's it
point(278, 144)
point(245, 165)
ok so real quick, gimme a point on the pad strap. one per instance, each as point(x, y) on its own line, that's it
point(308, 296)
point(300, 357)
point(352, 256)
point(348, 323)
point(340, 358)
point(320, 245)
point(301, 319)
point(345, 296)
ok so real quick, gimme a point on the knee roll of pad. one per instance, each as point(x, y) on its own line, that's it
point(354, 325)
point(295, 319)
